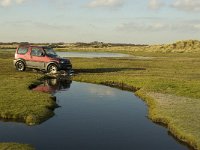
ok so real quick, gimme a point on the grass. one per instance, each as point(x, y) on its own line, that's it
point(15, 146)
point(187, 47)
point(17, 102)
point(180, 114)
point(170, 85)
point(168, 81)
point(165, 75)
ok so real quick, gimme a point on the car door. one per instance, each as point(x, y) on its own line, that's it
point(37, 58)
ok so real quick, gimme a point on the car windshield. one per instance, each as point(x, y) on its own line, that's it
point(50, 52)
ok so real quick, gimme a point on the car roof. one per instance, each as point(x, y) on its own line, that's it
point(31, 46)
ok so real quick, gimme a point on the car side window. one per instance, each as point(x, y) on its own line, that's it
point(36, 52)
point(22, 50)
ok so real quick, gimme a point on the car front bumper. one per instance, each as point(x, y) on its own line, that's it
point(65, 66)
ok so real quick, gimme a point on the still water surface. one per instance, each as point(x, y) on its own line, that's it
point(91, 54)
point(82, 54)
point(92, 117)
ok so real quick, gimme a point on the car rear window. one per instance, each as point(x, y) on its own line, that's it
point(22, 50)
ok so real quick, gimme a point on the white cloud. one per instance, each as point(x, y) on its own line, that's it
point(156, 26)
point(7, 3)
point(187, 5)
point(141, 26)
point(39, 25)
point(19, 1)
point(61, 4)
point(196, 26)
point(155, 4)
point(106, 3)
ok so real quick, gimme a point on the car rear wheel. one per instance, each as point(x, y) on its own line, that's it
point(20, 66)
point(52, 68)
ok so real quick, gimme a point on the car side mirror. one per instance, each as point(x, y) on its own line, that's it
point(43, 54)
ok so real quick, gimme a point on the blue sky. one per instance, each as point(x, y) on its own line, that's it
point(119, 21)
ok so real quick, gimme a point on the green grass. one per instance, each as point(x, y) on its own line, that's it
point(17, 102)
point(187, 47)
point(168, 82)
point(15, 146)
point(176, 78)
point(166, 75)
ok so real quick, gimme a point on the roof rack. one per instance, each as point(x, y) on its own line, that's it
point(24, 44)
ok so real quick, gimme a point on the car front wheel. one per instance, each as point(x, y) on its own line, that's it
point(20, 66)
point(52, 68)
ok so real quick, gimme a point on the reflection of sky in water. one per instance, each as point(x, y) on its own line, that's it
point(101, 91)
point(93, 117)
point(90, 54)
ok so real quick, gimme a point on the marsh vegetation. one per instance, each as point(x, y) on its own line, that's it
point(169, 83)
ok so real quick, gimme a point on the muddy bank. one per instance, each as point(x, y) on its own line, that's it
point(121, 86)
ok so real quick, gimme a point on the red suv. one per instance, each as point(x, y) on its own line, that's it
point(38, 57)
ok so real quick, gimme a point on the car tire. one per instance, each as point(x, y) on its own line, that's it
point(20, 66)
point(52, 68)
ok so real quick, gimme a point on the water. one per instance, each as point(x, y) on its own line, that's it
point(82, 54)
point(91, 54)
point(92, 117)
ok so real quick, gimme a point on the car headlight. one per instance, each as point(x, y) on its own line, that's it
point(62, 61)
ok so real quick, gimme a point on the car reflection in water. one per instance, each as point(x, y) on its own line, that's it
point(53, 85)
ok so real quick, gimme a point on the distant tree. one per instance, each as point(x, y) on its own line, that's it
point(24, 43)
point(61, 43)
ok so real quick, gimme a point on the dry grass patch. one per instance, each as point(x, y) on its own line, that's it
point(171, 110)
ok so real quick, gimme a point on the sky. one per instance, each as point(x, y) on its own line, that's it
point(116, 21)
